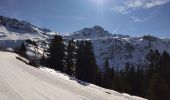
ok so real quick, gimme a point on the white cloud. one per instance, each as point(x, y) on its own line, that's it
point(154, 3)
point(121, 9)
point(131, 5)
point(136, 19)
point(134, 3)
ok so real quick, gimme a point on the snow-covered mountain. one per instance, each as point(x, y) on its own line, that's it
point(45, 83)
point(13, 32)
point(91, 33)
point(120, 49)
point(9, 25)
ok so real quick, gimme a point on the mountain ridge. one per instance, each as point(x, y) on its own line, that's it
point(119, 49)
point(12, 25)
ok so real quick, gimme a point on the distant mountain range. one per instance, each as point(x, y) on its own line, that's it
point(119, 49)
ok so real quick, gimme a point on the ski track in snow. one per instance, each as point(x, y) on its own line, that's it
point(19, 81)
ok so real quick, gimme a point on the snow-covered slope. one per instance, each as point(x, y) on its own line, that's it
point(19, 81)
point(120, 49)
point(21, 27)
point(13, 32)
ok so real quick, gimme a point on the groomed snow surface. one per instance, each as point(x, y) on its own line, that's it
point(19, 81)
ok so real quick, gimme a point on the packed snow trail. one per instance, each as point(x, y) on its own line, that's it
point(19, 81)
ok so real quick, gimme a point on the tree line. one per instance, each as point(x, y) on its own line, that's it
point(73, 58)
point(76, 58)
point(150, 81)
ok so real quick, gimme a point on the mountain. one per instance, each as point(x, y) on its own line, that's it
point(9, 25)
point(97, 32)
point(91, 33)
point(120, 49)
point(13, 32)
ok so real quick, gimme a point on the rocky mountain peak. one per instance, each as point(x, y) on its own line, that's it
point(95, 32)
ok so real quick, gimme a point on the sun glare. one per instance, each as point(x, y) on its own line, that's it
point(98, 2)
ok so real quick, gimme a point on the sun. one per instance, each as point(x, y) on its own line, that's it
point(98, 2)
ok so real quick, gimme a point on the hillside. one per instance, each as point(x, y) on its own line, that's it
point(13, 32)
point(19, 81)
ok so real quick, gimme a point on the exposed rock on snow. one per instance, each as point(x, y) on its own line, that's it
point(120, 49)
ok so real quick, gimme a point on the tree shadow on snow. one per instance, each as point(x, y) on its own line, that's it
point(79, 81)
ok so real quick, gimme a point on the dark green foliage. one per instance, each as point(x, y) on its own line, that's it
point(71, 58)
point(150, 81)
point(165, 66)
point(99, 78)
point(31, 42)
point(139, 81)
point(153, 65)
point(158, 88)
point(118, 82)
point(87, 69)
point(43, 60)
point(107, 75)
point(157, 78)
point(22, 50)
point(56, 53)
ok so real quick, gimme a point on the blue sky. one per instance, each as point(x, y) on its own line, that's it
point(131, 17)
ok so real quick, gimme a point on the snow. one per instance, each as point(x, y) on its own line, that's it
point(19, 81)
point(120, 49)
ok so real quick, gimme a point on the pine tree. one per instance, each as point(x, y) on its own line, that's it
point(119, 82)
point(157, 60)
point(99, 78)
point(158, 88)
point(153, 65)
point(158, 76)
point(112, 77)
point(150, 57)
point(153, 58)
point(71, 58)
point(80, 70)
point(87, 69)
point(165, 66)
point(107, 75)
point(56, 53)
point(43, 60)
point(112, 72)
point(140, 81)
point(132, 81)
point(126, 77)
point(22, 50)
